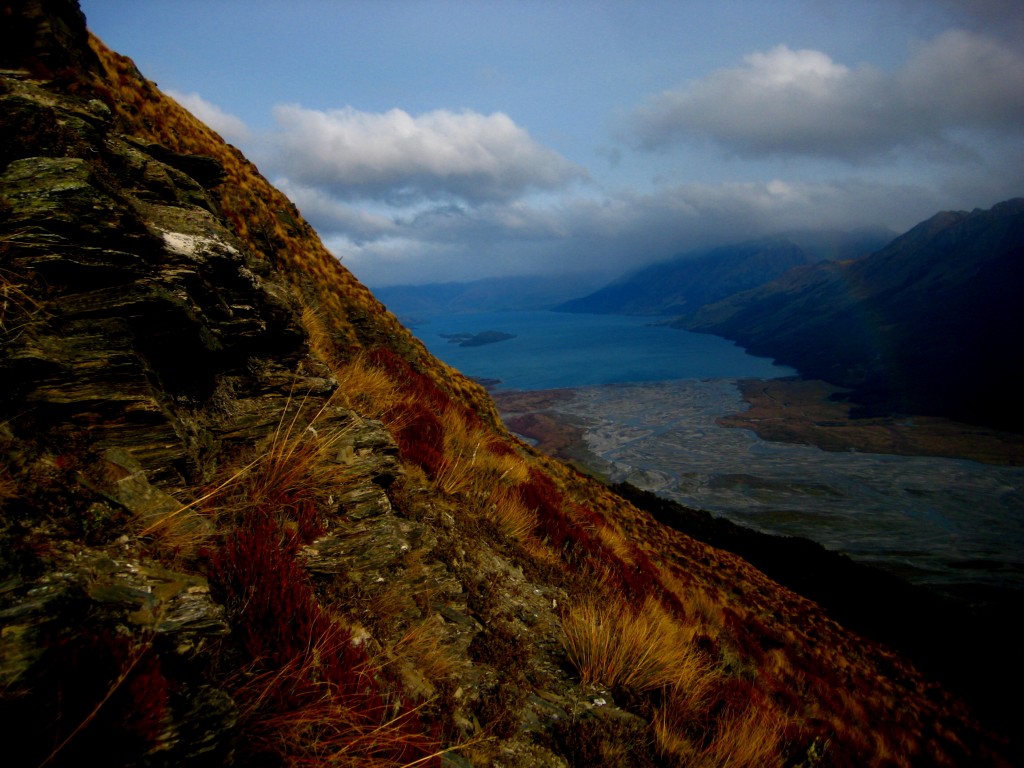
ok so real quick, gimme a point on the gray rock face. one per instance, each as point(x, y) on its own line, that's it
point(141, 344)
point(134, 317)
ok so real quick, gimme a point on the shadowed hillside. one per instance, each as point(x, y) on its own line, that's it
point(247, 519)
point(931, 324)
point(683, 285)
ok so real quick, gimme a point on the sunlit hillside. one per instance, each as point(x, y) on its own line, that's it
point(247, 519)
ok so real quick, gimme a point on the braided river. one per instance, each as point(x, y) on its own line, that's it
point(646, 399)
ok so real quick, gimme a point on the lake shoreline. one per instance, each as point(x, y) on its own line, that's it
point(787, 410)
point(808, 412)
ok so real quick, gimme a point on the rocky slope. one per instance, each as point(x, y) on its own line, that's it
point(246, 519)
point(930, 324)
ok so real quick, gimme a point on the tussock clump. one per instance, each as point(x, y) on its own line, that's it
point(364, 387)
point(612, 645)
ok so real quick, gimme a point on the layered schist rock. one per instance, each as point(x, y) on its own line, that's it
point(247, 519)
point(143, 343)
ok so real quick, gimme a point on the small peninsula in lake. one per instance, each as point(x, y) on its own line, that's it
point(477, 339)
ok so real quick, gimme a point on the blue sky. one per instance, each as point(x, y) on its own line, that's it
point(433, 141)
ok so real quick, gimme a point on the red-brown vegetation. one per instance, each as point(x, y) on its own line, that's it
point(102, 693)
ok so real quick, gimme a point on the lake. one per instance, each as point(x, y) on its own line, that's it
point(648, 397)
point(555, 349)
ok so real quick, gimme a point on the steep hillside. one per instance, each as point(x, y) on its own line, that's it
point(931, 324)
point(684, 284)
point(246, 519)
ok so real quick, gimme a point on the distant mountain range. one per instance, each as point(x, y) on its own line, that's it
point(682, 285)
point(676, 287)
point(526, 292)
point(931, 324)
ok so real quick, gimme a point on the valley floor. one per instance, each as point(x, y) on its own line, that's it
point(952, 523)
point(797, 411)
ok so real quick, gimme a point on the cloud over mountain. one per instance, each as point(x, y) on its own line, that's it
point(459, 195)
point(605, 234)
point(400, 158)
point(802, 102)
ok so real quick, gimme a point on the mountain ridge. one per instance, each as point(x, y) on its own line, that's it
point(926, 325)
point(682, 285)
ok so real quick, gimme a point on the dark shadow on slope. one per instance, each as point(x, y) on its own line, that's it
point(970, 643)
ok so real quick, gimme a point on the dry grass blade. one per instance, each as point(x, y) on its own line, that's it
point(17, 308)
point(168, 520)
point(138, 652)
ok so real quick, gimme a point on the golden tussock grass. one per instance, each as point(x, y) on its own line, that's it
point(364, 388)
point(750, 738)
point(485, 473)
point(422, 646)
point(321, 342)
point(698, 719)
point(302, 456)
point(474, 453)
point(506, 510)
point(738, 737)
point(614, 541)
point(613, 645)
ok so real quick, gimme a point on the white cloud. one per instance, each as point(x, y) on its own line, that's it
point(801, 102)
point(227, 125)
point(401, 158)
point(966, 80)
point(328, 214)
